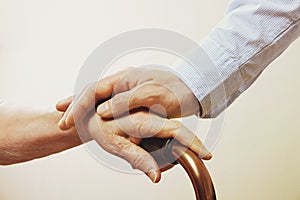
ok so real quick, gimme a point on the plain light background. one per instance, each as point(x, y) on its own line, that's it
point(42, 47)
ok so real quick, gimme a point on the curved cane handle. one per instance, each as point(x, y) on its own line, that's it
point(166, 151)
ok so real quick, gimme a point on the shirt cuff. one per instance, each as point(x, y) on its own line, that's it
point(204, 79)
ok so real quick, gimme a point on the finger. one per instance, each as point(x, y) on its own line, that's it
point(163, 166)
point(142, 160)
point(86, 101)
point(137, 157)
point(175, 129)
point(145, 95)
point(143, 125)
point(63, 105)
point(62, 122)
point(82, 105)
point(115, 106)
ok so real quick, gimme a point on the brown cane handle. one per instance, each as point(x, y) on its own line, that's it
point(169, 152)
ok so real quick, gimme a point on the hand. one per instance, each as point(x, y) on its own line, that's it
point(160, 91)
point(113, 136)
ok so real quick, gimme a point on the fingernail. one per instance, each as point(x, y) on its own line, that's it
point(102, 109)
point(62, 123)
point(68, 121)
point(152, 174)
point(208, 156)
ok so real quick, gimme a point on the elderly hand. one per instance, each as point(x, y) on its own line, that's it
point(160, 91)
point(121, 137)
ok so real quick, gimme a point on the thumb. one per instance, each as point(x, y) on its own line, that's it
point(119, 104)
point(142, 96)
point(63, 105)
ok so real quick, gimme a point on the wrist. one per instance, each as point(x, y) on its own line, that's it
point(202, 77)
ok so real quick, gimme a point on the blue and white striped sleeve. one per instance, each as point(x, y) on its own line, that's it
point(251, 35)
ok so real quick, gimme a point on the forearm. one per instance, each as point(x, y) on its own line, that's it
point(27, 135)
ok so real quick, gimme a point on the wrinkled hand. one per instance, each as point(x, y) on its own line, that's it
point(160, 91)
point(121, 137)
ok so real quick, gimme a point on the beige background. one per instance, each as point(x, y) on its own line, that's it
point(42, 47)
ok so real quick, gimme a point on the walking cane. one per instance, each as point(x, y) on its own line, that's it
point(168, 152)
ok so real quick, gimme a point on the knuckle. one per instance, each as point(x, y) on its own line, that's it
point(142, 123)
point(153, 92)
point(117, 100)
point(176, 124)
point(112, 148)
point(176, 127)
point(137, 161)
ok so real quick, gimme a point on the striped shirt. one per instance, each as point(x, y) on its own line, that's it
point(251, 35)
